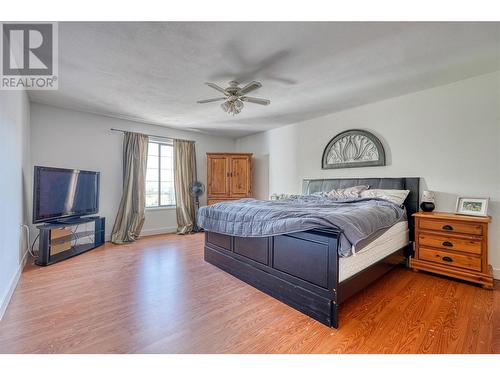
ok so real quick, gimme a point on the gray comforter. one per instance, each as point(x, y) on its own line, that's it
point(358, 218)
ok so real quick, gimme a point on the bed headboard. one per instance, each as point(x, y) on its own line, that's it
point(400, 183)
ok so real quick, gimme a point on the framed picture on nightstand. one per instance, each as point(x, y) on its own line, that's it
point(472, 206)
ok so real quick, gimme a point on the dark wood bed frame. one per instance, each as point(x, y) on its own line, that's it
point(302, 269)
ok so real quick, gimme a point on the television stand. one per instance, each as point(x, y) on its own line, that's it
point(59, 241)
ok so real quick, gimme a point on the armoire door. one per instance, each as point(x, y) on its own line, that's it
point(240, 176)
point(218, 176)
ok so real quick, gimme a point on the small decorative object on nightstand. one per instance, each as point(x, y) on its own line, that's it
point(428, 200)
point(453, 245)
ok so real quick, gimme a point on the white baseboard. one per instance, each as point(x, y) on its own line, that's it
point(152, 232)
point(496, 273)
point(12, 286)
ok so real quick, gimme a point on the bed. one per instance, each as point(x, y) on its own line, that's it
point(303, 269)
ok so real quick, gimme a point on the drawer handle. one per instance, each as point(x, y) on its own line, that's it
point(447, 244)
point(447, 227)
point(447, 259)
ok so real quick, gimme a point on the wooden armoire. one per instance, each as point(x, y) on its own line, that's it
point(229, 176)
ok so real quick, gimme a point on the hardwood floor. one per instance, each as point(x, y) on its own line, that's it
point(159, 296)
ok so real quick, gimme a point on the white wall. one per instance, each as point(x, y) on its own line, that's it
point(71, 139)
point(449, 136)
point(14, 184)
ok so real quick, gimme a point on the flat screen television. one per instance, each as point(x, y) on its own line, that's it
point(64, 193)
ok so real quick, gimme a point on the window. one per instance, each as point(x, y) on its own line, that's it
point(160, 175)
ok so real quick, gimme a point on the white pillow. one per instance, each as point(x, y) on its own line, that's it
point(395, 196)
point(346, 193)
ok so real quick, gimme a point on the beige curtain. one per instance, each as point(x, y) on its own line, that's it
point(184, 174)
point(130, 217)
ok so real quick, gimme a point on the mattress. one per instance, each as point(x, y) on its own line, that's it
point(389, 242)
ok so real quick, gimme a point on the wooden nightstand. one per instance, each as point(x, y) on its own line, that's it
point(453, 245)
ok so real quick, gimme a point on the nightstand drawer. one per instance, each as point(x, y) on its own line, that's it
point(451, 226)
point(450, 259)
point(450, 243)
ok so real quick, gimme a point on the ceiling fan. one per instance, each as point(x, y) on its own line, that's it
point(234, 96)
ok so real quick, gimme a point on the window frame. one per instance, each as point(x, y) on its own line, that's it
point(159, 143)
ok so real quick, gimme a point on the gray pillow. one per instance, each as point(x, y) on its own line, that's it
point(347, 193)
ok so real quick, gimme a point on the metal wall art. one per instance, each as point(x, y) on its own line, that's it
point(353, 149)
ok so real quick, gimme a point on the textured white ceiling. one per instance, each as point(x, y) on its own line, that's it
point(154, 72)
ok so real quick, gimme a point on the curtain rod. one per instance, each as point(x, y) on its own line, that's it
point(152, 135)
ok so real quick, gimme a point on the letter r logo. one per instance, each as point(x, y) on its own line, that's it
point(27, 49)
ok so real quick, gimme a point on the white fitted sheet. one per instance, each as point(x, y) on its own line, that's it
point(389, 242)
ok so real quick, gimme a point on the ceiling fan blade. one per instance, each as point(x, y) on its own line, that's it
point(216, 87)
point(255, 100)
point(254, 85)
point(210, 100)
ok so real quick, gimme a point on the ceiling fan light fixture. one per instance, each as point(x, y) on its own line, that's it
point(233, 107)
point(235, 96)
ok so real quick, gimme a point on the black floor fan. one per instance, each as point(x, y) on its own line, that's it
point(196, 190)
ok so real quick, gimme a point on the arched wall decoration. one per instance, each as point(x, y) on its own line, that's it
point(353, 149)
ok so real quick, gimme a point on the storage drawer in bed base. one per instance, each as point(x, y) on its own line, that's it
point(308, 257)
